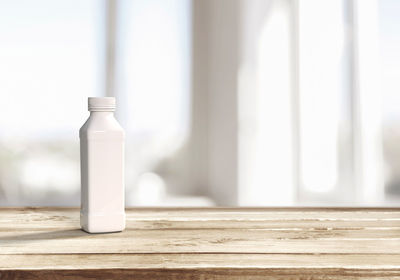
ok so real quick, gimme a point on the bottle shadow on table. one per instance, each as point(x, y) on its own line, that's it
point(46, 235)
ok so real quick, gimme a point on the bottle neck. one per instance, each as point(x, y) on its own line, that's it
point(102, 114)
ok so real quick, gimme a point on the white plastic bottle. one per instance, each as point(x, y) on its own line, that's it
point(102, 169)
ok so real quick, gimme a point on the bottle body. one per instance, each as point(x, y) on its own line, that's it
point(102, 174)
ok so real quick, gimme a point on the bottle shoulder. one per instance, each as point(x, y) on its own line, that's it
point(96, 126)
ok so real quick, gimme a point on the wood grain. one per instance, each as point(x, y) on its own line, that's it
point(201, 243)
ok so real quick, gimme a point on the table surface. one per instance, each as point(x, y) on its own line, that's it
point(204, 243)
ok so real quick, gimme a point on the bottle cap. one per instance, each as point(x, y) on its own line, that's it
point(101, 103)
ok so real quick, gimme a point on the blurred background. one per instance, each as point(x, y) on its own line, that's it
point(225, 103)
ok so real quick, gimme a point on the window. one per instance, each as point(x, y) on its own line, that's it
point(312, 135)
point(228, 102)
point(50, 60)
point(389, 44)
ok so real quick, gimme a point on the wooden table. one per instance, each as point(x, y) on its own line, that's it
point(215, 243)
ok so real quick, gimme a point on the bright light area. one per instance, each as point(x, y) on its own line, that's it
point(313, 124)
point(389, 38)
point(154, 57)
point(153, 78)
point(389, 46)
point(50, 61)
point(268, 176)
point(321, 74)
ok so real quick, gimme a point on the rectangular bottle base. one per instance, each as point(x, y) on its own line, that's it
point(93, 223)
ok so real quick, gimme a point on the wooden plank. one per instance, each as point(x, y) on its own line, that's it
point(204, 273)
point(212, 234)
point(161, 243)
point(200, 266)
point(203, 241)
point(192, 261)
point(199, 243)
point(230, 213)
point(218, 224)
point(209, 218)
